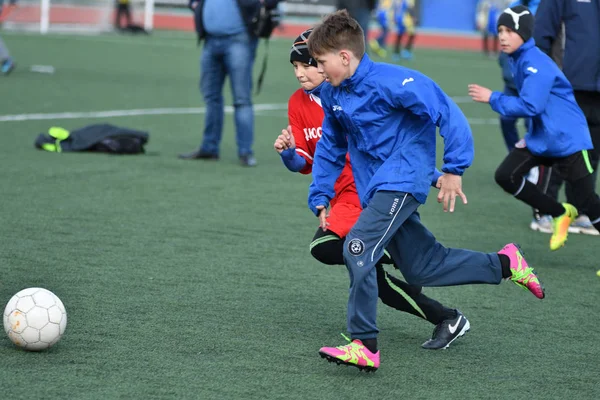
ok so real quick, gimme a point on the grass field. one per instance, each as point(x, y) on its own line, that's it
point(193, 280)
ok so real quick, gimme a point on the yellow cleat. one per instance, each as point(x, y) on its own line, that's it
point(560, 227)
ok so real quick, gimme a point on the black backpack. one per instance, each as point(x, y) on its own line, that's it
point(104, 138)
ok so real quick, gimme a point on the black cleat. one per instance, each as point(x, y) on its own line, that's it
point(447, 332)
point(199, 155)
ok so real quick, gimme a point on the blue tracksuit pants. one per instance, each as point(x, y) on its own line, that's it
point(390, 221)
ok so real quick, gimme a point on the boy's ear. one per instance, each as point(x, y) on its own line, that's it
point(346, 56)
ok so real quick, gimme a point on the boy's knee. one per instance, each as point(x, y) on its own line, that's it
point(505, 179)
point(325, 253)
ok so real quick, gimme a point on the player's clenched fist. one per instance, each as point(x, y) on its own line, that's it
point(285, 140)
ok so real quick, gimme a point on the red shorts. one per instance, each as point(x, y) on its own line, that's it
point(342, 217)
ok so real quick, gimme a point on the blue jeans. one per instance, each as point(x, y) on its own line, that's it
point(390, 221)
point(234, 56)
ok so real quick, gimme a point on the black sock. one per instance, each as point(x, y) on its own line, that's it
point(505, 261)
point(370, 344)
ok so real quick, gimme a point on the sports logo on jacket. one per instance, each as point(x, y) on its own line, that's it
point(356, 247)
point(337, 108)
point(531, 69)
point(407, 80)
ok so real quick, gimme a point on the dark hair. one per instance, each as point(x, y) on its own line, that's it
point(336, 32)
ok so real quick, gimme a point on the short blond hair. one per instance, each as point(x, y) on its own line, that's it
point(336, 32)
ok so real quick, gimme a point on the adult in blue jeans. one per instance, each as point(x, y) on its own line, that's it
point(226, 26)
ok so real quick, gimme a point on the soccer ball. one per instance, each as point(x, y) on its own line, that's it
point(35, 319)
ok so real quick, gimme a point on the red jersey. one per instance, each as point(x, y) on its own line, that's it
point(306, 117)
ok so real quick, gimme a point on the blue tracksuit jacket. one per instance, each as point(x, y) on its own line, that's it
point(386, 117)
point(558, 127)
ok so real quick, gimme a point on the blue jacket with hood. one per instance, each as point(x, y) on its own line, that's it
point(386, 117)
point(558, 127)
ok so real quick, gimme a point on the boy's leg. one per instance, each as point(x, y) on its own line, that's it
point(589, 102)
point(510, 175)
point(578, 172)
point(548, 183)
point(426, 262)
point(328, 246)
point(363, 248)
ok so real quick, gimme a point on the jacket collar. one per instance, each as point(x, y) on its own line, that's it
point(524, 47)
point(316, 91)
point(364, 67)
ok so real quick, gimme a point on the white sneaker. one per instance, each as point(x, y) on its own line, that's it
point(544, 224)
point(583, 225)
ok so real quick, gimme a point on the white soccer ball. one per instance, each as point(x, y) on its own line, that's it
point(35, 319)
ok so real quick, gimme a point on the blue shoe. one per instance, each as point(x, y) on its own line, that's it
point(396, 57)
point(7, 66)
point(406, 54)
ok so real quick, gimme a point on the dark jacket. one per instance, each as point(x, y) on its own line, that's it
point(581, 62)
point(248, 8)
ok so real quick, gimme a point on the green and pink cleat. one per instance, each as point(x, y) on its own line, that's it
point(522, 274)
point(354, 354)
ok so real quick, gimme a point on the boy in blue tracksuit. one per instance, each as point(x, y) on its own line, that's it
point(385, 117)
point(558, 135)
point(509, 124)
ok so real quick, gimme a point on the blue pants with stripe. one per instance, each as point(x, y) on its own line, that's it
point(390, 221)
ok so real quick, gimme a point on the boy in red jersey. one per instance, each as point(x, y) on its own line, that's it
point(297, 145)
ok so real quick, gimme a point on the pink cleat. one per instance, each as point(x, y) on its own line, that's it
point(355, 354)
point(522, 274)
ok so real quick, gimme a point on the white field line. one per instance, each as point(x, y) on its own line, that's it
point(129, 113)
point(260, 109)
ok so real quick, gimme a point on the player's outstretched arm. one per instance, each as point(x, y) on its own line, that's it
point(533, 94)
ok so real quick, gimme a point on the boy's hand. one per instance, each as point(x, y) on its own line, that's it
point(480, 93)
point(323, 217)
point(285, 140)
point(450, 186)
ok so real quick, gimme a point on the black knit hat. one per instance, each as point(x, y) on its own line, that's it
point(299, 51)
point(518, 19)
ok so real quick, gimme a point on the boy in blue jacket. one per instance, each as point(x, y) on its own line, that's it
point(385, 117)
point(558, 135)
